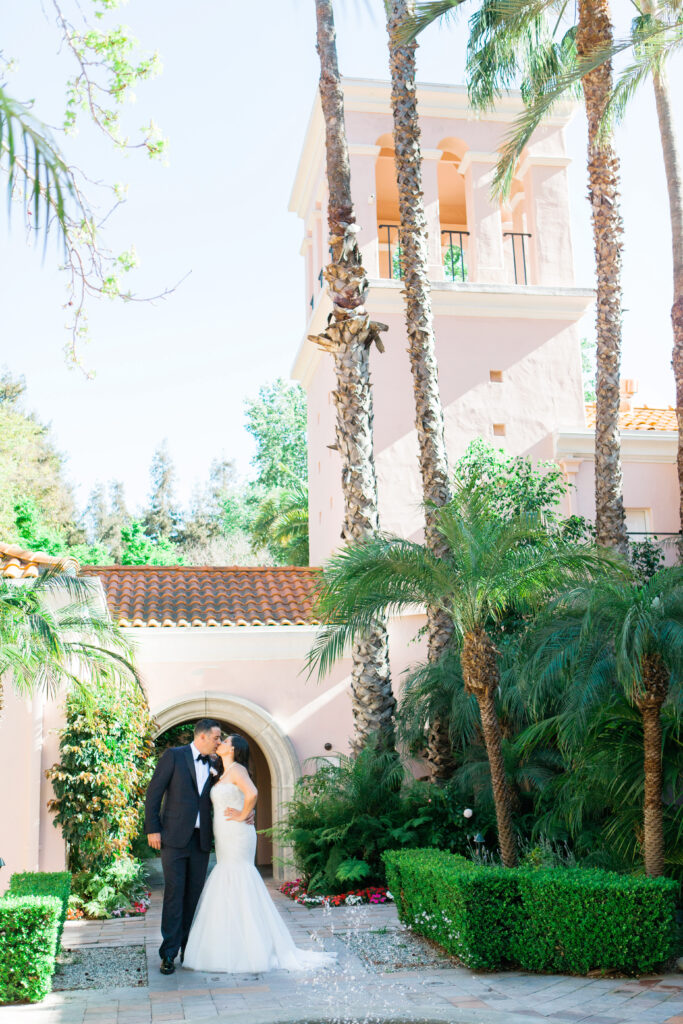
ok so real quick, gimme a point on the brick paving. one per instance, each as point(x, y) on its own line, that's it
point(351, 991)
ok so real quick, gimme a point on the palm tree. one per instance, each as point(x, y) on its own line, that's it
point(612, 631)
point(281, 525)
point(53, 633)
point(490, 568)
point(429, 424)
point(508, 31)
point(348, 337)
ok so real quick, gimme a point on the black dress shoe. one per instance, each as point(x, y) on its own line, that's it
point(182, 956)
point(167, 965)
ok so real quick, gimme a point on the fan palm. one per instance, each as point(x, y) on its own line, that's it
point(613, 633)
point(53, 633)
point(429, 424)
point(515, 38)
point(490, 568)
point(348, 338)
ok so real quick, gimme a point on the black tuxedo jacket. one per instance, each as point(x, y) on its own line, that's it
point(175, 783)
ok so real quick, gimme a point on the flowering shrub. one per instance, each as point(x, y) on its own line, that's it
point(373, 894)
point(105, 764)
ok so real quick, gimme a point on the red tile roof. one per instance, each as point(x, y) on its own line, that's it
point(639, 418)
point(17, 564)
point(152, 595)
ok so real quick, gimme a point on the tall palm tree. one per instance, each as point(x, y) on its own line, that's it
point(54, 633)
point(436, 487)
point(490, 567)
point(507, 31)
point(348, 337)
point(614, 632)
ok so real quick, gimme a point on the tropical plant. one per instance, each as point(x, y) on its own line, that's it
point(491, 568)
point(346, 813)
point(55, 632)
point(513, 39)
point(348, 337)
point(105, 763)
point(436, 489)
point(281, 526)
point(607, 634)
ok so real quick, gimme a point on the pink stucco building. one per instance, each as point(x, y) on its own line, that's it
point(506, 310)
point(231, 642)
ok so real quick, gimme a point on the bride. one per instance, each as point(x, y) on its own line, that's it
point(237, 928)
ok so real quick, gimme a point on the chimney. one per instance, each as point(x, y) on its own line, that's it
point(628, 389)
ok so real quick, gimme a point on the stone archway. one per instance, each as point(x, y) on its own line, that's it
point(262, 727)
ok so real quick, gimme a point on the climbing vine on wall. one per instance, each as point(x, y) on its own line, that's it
point(106, 760)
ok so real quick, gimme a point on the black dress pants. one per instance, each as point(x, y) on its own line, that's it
point(184, 876)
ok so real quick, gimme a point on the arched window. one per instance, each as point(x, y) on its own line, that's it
point(453, 210)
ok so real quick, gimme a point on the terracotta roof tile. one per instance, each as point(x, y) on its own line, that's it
point(185, 596)
point(639, 418)
point(16, 563)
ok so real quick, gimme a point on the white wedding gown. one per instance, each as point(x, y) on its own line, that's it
point(236, 927)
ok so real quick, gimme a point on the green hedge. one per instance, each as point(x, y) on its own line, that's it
point(28, 945)
point(44, 883)
point(561, 920)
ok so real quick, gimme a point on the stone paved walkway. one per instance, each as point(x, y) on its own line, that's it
point(349, 992)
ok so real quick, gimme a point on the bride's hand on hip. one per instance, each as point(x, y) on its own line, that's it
point(232, 814)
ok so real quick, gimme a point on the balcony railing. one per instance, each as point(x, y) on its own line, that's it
point(518, 253)
point(453, 255)
point(389, 244)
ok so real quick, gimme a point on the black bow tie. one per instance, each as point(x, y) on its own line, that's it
point(204, 758)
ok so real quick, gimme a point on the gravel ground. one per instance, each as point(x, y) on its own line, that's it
point(100, 967)
point(393, 949)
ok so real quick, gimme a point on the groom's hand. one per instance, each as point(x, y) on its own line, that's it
point(154, 840)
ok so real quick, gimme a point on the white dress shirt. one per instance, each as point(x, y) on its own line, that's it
point(202, 772)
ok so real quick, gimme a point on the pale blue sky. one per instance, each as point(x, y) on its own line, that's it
point(234, 99)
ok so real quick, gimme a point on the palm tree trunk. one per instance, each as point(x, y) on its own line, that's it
point(674, 182)
point(436, 487)
point(348, 337)
point(656, 684)
point(481, 676)
point(595, 33)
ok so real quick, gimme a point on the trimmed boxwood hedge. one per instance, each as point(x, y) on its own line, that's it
point(44, 883)
point(565, 920)
point(28, 944)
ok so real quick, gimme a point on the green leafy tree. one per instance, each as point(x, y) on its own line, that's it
point(276, 419)
point(162, 519)
point(139, 549)
point(100, 780)
point(492, 568)
point(31, 467)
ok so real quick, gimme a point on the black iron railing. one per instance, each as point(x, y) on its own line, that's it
point(454, 255)
point(521, 235)
point(395, 270)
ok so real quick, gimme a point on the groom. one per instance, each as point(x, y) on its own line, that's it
point(182, 831)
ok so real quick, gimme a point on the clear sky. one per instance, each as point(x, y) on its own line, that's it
point(238, 84)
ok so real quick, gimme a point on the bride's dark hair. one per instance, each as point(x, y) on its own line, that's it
point(240, 749)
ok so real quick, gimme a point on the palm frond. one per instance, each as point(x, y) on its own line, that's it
point(37, 174)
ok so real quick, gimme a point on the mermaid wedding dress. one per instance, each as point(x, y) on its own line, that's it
point(236, 928)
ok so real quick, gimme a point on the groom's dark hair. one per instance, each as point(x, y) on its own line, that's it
point(206, 725)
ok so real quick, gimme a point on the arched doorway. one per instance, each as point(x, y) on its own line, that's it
point(276, 765)
point(260, 773)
